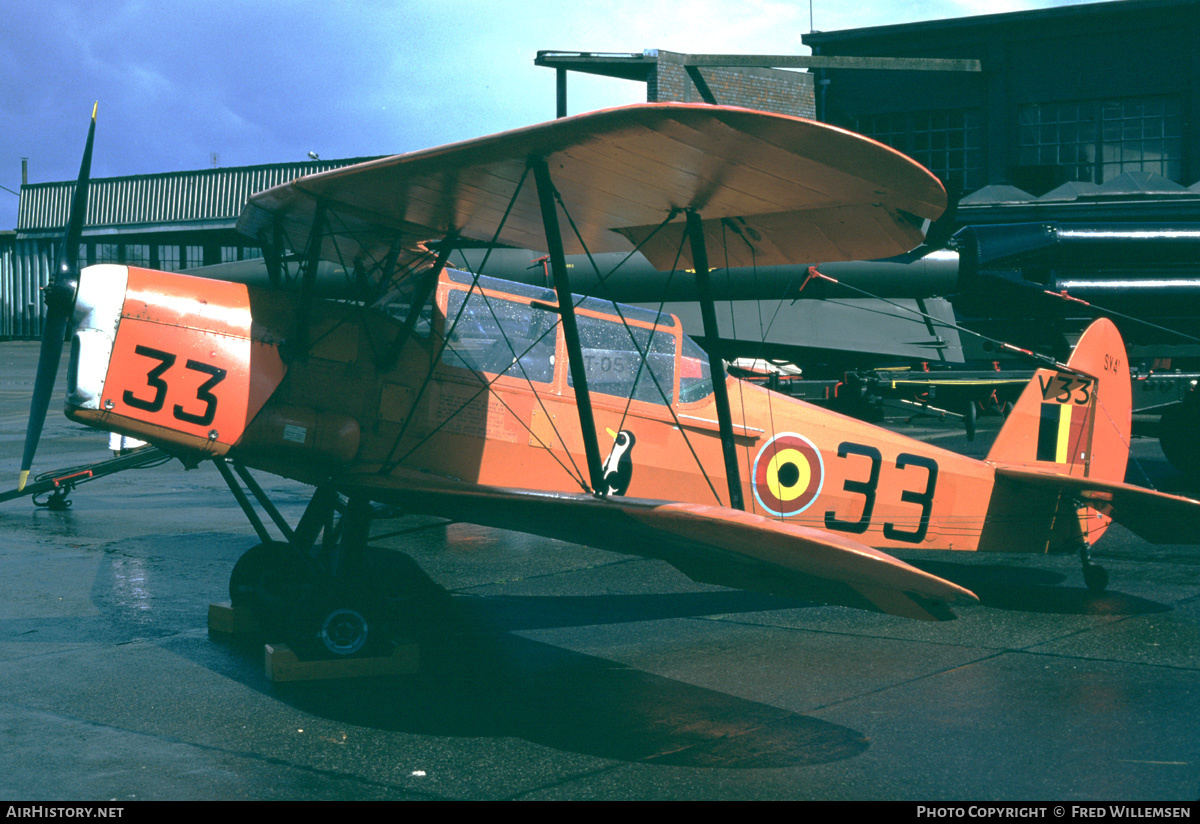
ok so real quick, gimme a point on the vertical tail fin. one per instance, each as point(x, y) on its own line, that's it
point(1074, 422)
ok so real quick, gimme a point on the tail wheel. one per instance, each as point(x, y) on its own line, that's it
point(1094, 575)
point(1096, 578)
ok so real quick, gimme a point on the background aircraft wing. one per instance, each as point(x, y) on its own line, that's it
point(775, 189)
point(711, 544)
point(1157, 517)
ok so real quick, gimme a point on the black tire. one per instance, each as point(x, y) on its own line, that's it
point(336, 620)
point(249, 570)
point(1096, 578)
point(268, 579)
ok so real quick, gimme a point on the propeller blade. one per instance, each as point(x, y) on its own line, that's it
point(60, 303)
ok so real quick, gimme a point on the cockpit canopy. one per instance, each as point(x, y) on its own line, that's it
point(501, 328)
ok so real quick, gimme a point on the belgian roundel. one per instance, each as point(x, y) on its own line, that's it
point(788, 474)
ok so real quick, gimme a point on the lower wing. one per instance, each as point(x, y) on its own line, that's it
point(710, 544)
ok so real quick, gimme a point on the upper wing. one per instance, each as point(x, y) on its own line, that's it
point(708, 543)
point(1157, 517)
point(778, 189)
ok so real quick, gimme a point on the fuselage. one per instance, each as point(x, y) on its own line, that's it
point(480, 393)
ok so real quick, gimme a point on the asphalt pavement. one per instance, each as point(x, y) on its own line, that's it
point(553, 671)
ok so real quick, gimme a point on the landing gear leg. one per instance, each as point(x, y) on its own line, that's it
point(269, 579)
point(316, 591)
point(320, 602)
point(343, 615)
point(1094, 575)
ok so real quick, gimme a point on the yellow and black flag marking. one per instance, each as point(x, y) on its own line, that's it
point(1054, 433)
point(1062, 433)
point(1062, 428)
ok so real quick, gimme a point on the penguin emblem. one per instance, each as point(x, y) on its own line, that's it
point(618, 468)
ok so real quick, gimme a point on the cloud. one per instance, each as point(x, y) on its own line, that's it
point(263, 81)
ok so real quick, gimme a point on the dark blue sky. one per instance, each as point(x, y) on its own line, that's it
point(265, 82)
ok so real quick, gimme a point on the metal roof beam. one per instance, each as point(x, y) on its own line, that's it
point(805, 61)
point(626, 66)
point(633, 66)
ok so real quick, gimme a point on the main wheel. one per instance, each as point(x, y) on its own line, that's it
point(336, 620)
point(249, 569)
point(268, 579)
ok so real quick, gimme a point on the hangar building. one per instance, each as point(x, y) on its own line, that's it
point(171, 221)
point(1077, 113)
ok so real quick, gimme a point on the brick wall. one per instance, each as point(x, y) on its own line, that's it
point(772, 90)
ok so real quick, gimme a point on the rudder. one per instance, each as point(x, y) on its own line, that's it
point(1074, 422)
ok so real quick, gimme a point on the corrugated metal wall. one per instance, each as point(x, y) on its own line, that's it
point(24, 270)
point(123, 204)
point(208, 194)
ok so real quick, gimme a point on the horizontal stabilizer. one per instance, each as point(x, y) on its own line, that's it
point(1157, 517)
point(711, 544)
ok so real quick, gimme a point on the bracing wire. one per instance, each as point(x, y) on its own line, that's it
point(602, 281)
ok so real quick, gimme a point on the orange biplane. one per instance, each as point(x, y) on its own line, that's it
point(447, 392)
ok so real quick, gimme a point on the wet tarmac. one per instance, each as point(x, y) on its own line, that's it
point(552, 671)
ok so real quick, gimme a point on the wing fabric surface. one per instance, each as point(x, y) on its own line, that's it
point(1157, 517)
point(708, 543)
point(774, 188)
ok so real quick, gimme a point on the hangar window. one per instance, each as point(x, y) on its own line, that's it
point(1060, 135)
point(137, 254)
point(614, 366)
point(1095, 141)
point(168, 258)
point(1141, 135)
point(500, 337)
point(948, 143)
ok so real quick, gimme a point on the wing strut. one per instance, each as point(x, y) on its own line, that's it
point(311, 259)
point(566, 311)
point(272, 247)
point(712, 338)
point(420, 297)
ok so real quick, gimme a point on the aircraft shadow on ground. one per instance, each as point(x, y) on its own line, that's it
point(1022, 589)
point(495, 684)
point(478, 678)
